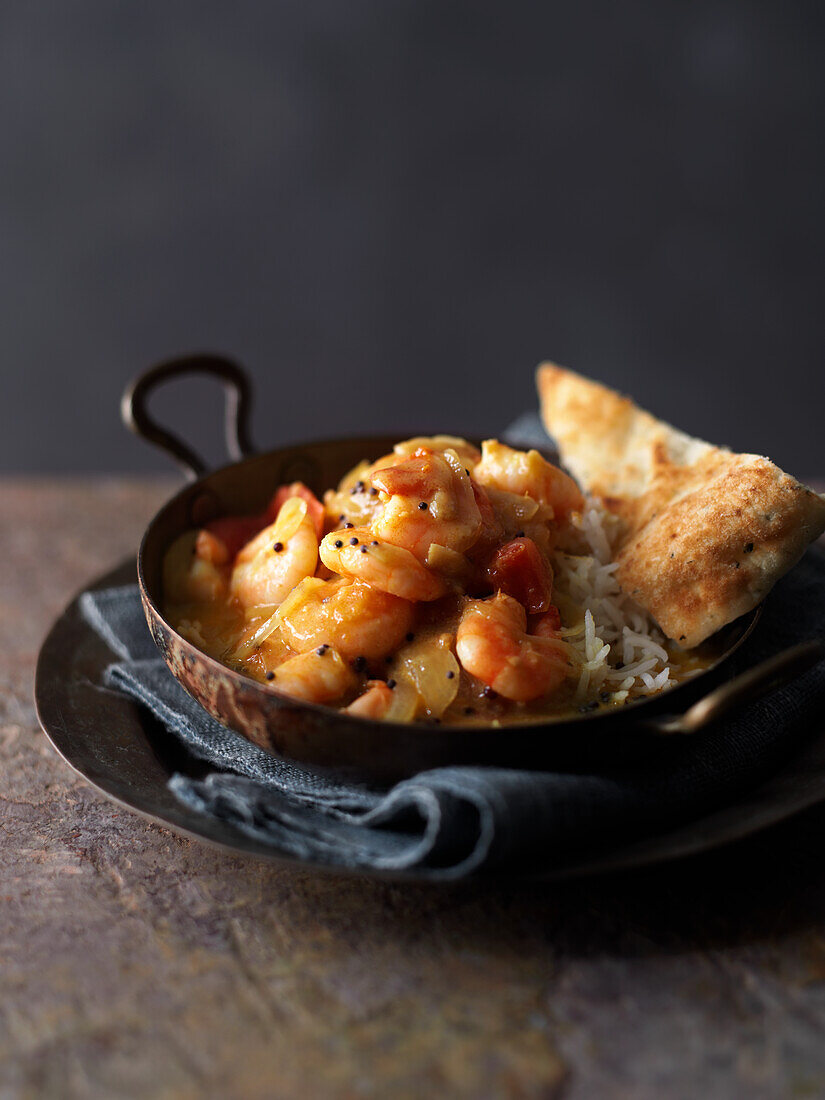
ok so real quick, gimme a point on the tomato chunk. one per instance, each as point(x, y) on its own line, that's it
point(235, 531)
point(549, 624)
point(315, 508)
point(519, 569)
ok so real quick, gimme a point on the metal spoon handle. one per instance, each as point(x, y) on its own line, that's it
point(747, 687)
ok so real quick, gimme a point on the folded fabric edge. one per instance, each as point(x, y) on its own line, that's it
point(370, 840)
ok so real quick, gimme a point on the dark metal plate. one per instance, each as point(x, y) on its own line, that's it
point(128, 756)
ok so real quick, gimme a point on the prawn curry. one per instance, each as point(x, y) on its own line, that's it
point(440, 583)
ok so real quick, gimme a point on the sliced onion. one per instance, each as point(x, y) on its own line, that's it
point(289, 518)
point(511, 508)
point(298, 595)
point(404, 702)
point(447, 562)
point(252, 638)
point(274, 651)
point(432, 668)
point(259, 611)
point(260, 632)
point(451, 455)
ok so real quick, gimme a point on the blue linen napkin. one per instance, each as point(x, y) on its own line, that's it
point(456, 821)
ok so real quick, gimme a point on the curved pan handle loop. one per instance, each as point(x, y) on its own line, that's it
point(135, 414)
point(749, 686)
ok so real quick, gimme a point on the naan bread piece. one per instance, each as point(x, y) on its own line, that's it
point(705, 533)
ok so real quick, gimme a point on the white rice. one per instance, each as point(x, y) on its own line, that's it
point(619, 650)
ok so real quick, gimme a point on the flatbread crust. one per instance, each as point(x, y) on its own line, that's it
point(705, 533)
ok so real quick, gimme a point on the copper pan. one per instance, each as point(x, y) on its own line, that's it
point(325, 738)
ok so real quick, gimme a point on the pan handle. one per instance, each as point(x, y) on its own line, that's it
point(745, 688)
point(136, 416)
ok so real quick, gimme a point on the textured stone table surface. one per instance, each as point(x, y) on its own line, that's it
point(136, 963)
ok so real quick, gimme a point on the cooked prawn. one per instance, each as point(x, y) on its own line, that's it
point(211, 547)
point(192, 576)
point(374, 703)
point(493, 645)
point(430, 501)
point(268, 568)
point(315, 509)
point(526, 473)
point(355, 618)
point(356, 553)
point(320, 676)
point(549, 625)
point(356, 499)
point(468, 453)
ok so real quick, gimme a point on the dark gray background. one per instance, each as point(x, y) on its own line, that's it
point(390, 210)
